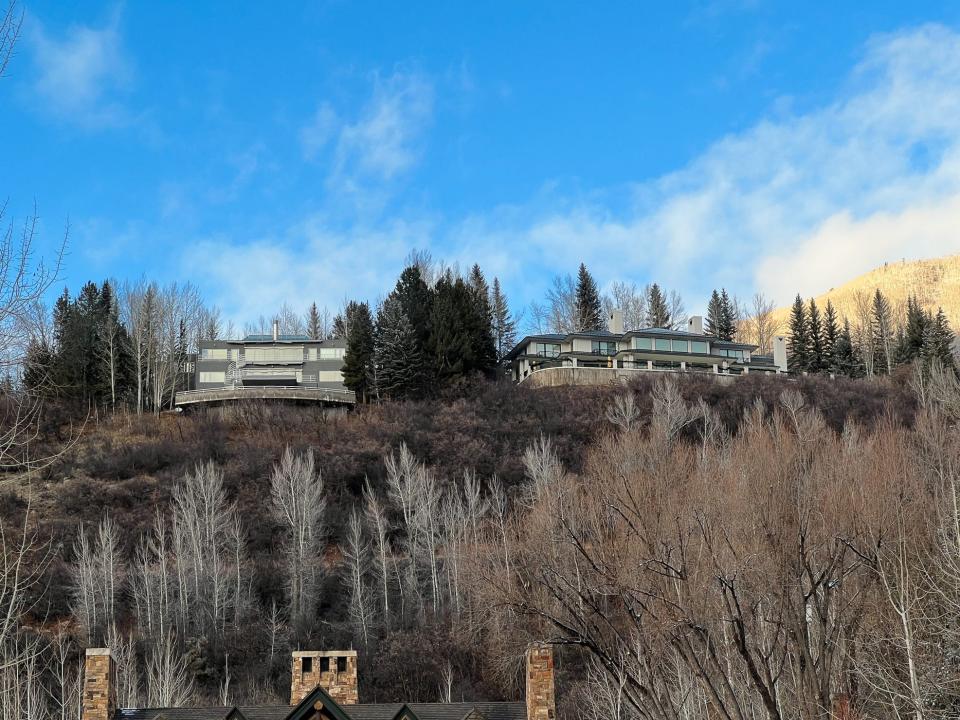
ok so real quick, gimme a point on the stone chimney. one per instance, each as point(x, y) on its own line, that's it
point(541, 693)
point(695, 324)
point(99, 685)
point(276, 330)
point(615, 322)
point(333, 670)
point(780, 352)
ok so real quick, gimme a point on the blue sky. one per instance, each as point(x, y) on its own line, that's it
point(288, 152)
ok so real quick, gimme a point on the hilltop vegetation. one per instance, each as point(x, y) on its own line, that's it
point(418, 495)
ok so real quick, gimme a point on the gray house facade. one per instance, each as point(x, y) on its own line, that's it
point(649, 349)
point(280, 361)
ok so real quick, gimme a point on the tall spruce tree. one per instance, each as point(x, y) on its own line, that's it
point(831, 334)
point(358, 370)
point(714, 322)
point(883, 334)
point(658, 312)
point(314, 330)
point(589, 306)
point(729, 317)
point(416, 299)
point(462, 338)
point(911, 339)
point(400, 363)
point(938, 343)
point(482, 336)
point(504, 326)
point(799, 337)
point(845, 359)
point(816, 343)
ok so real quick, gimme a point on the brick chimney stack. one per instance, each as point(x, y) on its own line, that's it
point(333, 670)
point(99, 685)
point(541, 692)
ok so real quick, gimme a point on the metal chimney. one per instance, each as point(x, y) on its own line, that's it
point(276, 330)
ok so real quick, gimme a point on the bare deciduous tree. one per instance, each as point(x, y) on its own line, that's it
point(296, 488)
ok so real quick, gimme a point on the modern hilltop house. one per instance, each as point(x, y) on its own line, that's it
point(291, 367)
point(642, 350)
point(324, 686)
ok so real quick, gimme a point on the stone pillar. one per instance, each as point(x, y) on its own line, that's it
point(683, 365)
point(99, 685)
point(715, 369)
point(333, 670)
point(649, 364)
point(541, 692)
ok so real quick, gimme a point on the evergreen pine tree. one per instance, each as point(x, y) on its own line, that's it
point(37, 368)
point(845, 360)
point(358, 357)
point(816, 346)
point(714, 322)
point(729, 317)
point(504, 326)
point(462, 338)
point(480, 315)
point(883, 334)
point(397, 355)
point(913, 335)
point(339, 329)
point(938, 344)
point(658, 314)
point(416, 299)
point(589, 307)
point(831, 334)
point(799, 338)
point(314, 331)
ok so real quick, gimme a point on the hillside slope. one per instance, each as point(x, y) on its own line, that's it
point(935, 283)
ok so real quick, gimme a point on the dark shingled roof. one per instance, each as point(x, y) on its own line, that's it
point(377, 711)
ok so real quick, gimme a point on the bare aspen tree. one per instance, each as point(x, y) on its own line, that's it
point(276, 628)
point(169, 684)
point(207, 543)
point(500, 510)
point(624, 412)
point(356, 555)
point(379, 527)
point(96, 578)
point(124, 651)
point(66, 676)
point(761, 326)
point(296, 488)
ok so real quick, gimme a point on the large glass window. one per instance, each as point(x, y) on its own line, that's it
point(274, 354)
point(604, 347)
point(642, 343)
point(213, 377)
point(214, 354)
point(679, 345)
point(662, 344)
point(698, 346)
point(546, 349)
point(331, 353)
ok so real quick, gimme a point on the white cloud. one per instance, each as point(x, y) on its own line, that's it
point(310, 263)
point(793, 204)
point(80, 73)
point(382, 141)
point(800, 202)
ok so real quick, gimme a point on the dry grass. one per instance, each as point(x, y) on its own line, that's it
point(935, 283)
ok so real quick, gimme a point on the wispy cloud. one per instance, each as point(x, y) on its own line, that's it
point(309, 262)
point(380, 142)
point(81, 75)
point(799, 202)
